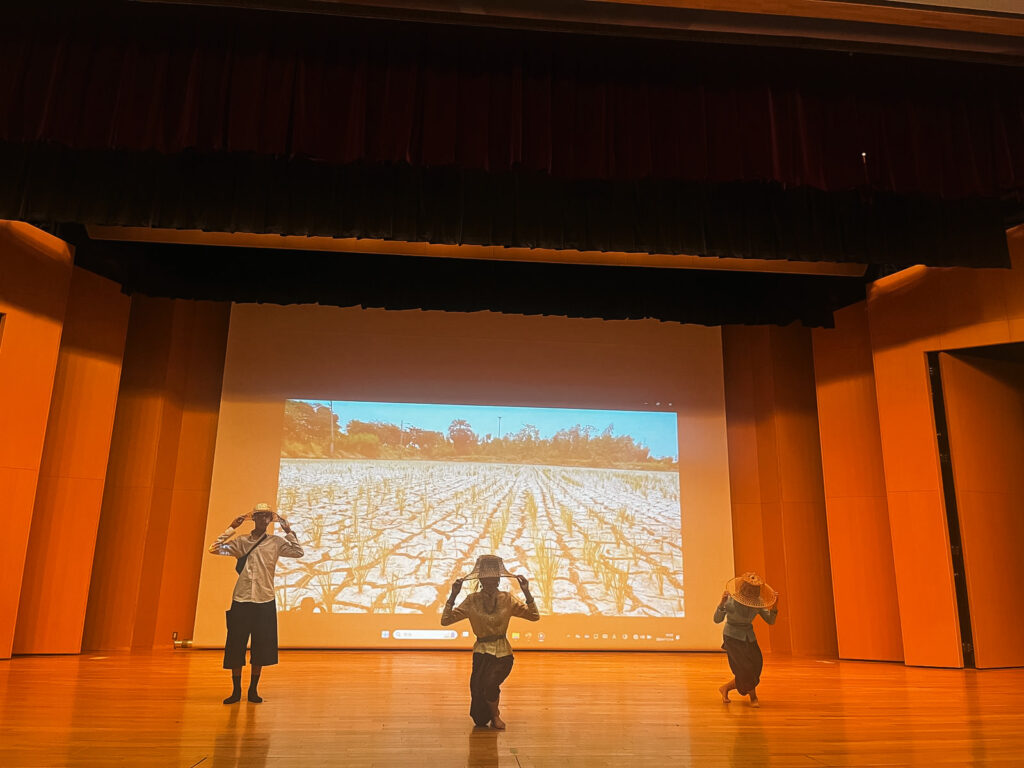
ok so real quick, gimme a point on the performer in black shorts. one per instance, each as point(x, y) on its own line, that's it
point(253, 611)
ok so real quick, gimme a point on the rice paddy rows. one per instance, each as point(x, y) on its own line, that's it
point(390, 536)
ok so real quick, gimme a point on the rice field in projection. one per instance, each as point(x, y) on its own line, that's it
point(391, 536)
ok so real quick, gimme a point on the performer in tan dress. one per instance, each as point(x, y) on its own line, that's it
point(489, 612)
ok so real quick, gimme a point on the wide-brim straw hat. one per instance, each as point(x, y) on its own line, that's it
point(750, 591)
point(489, 567)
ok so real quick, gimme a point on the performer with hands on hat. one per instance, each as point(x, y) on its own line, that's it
point(745, 598)
point(489, 611)
point(253, 607)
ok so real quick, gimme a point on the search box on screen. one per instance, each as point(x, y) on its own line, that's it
point(425, 634)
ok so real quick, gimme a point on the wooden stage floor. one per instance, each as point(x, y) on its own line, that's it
point(405, 708)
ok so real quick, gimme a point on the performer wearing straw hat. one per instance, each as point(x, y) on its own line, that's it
point(745, 598)
point(253, 607)
point(489, 611)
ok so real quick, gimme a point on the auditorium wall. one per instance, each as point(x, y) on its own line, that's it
point(860, 544)
point(908, 314)
point(55, 589)
point(778, 500)
point(142, 587)
point(140, 507)
point(834, 468)
point(35, 271)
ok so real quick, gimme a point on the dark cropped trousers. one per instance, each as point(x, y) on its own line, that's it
point(489, 672)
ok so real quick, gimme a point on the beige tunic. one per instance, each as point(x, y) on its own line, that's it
point(491, 626)
point(255, 584)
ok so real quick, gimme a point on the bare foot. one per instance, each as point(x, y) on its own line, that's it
point(754, 702)
point(497, 723)
point(725, 694)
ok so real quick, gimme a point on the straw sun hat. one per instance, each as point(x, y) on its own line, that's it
point(750, 591)
point(488, 566)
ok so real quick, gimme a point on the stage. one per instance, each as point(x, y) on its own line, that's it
point(563, 709)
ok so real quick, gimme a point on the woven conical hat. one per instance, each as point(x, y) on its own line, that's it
point(750, 591)
point(489, 566)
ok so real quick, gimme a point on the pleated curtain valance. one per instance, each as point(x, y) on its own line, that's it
point(343, 91)
point(242, 192)
point(706, 297)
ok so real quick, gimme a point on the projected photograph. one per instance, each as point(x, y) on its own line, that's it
point(393, 501)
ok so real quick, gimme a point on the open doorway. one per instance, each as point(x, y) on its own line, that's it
point(980, 424)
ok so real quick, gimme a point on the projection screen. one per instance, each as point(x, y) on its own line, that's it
point(589, 454)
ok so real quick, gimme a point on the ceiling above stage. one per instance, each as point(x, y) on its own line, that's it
point(950, 29)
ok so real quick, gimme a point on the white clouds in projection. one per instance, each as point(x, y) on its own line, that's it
point(396, 500)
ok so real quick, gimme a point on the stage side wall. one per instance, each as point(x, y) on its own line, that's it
point(738, 347)
point(160, 443)
point(860, 545)
point(985, 413)
point(58, 565)
point(190, 492)
point(35, 270)
point(911, 313)
point(776, 476)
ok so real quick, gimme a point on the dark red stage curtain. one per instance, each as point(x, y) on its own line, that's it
point(344, 91)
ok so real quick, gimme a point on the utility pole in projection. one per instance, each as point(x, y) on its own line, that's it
point(330, 427)
point(499, 427)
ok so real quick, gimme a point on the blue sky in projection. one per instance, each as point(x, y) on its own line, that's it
point(655, 429)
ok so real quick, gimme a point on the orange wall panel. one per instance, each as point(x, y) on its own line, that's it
point(920, 544)
point(154, 507)
point(67, 509)
point(168, 440)
point(190, 502)
point(744, 481)
point(190, 495)
point(775, 458)
point(808, 598)
point(776, 572)
point(35, 270)
point(857, 512)
point(985, 410)
point(128, 494)
point(911, 313)
point(864, 578)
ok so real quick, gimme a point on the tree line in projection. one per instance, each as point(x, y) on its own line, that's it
point(313, 432)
